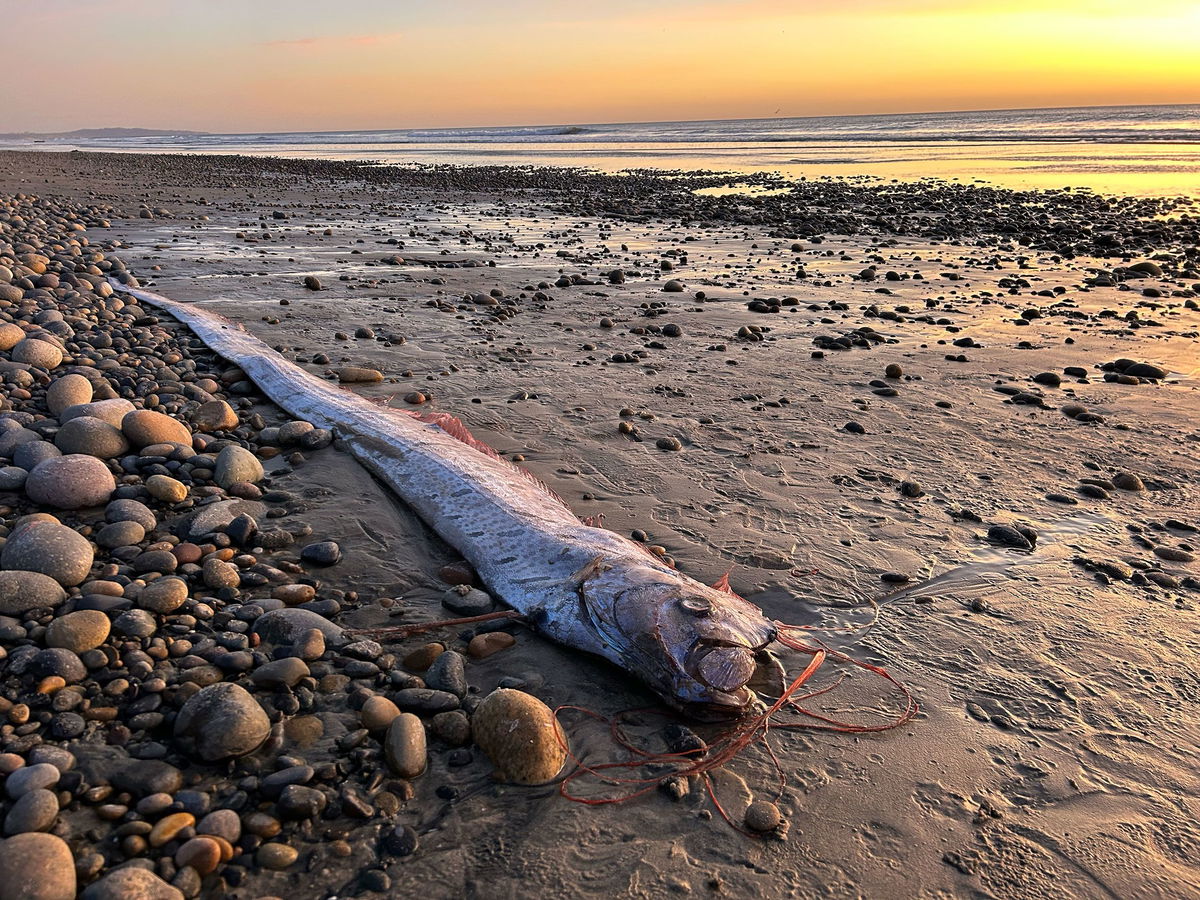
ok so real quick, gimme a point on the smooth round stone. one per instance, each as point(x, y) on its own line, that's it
point(201, 853)
point(59, 661)
point(36, 867)
point(286, 626)
point(358, 375)
point(321, 553)
point(110, 411)
point(12, 478)
point(120, 534)
point(294, 594)
point(291, 432)
point(377, 713)
point(31, 453)
point(1127, 481)
point(78, 631)
point(215, 415)
point(762, 815)
point(163, 595)
point(23, 591)
point(449, 674)
point(31, 778)
point(131, 511)
point(70, 482)
point(166, 828)
point(36, 352)
point(217, 573)
point(166, 489)
point(404, 746)
point(69, 390)
point(222, 720)
point(280, 673)
point(34, 811)
point(236, 464)
point(135, 623)
point(131, 883)
point(10, 334)
point(520, 735)
point(91, 436)
point(144, 427)
point(276, 856)
point(49, 548)
point(224, 823)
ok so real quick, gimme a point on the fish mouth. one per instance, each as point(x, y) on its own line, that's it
point(722, 707)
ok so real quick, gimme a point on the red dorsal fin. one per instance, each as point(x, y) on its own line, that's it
point(722, 584)
point(455, 427)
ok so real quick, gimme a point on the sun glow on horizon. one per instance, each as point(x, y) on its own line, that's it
point(289, 66)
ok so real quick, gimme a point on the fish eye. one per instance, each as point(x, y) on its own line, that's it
point(696, 606)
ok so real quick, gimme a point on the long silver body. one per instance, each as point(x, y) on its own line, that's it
point(585, 587)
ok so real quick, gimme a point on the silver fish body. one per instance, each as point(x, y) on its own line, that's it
point(582, 586)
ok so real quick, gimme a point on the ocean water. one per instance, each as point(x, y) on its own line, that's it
point(1150, 150)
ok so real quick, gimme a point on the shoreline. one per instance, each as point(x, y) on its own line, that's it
point(488, 292)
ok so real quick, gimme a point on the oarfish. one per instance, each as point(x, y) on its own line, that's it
point(582, 585)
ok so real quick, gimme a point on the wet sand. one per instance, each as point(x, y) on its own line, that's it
point(1055, 748)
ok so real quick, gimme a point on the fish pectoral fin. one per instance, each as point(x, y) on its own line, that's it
point(722, 584)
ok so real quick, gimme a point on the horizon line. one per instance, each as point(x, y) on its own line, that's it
point(927, 112)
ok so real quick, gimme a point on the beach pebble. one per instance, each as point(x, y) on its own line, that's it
point(69, 390)
point(70, 482)
point(1127, 481)
point(23, 591)
point(130, 883)
point(404, 745)
point(321, 553)
point(31, 778)
point(49, 548)
point(762, 816)
point(110, 411)
point(120, 534)
point(91, 436)
point(36, 810)
point(286, 626)
point(473, 602)
point(200, 853)
point(312, 282)
point(449, 674)
point(36, 866)
point(284, 672)
point(358, 375)
point(274, 855)
point(377, 713)
point(78, 631)
point(37, 352)
point(11, 334)
point(222, 720)
point(520, 736)
point(484, 645)
point(236, 464)
point(215, 415)
point(1008, 536)
point(144, 427)
point(165, 488)
point(163, 595)
point(12, 478)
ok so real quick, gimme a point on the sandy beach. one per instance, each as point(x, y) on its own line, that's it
point(974, 410)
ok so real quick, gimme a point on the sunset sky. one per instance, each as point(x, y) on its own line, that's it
point(280, 65)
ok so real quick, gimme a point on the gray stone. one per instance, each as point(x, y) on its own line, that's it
point(49, 548)
point(31, 778)
point(236, 464)
point(110, 411)
point(280, 673)
point(36, 810)
point(23, 591)
point(221, 721)
point(70, 482)
point(214, 517)
point(286, 626)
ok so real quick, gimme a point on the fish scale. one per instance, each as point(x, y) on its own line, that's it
point(583, 586)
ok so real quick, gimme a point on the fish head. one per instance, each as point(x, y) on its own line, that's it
point(697, 646)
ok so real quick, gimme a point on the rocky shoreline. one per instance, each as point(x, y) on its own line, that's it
point(198, 694)
point(161, 609)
